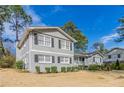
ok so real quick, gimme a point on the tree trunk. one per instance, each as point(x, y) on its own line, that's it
point(2, 51)
point(17, 38)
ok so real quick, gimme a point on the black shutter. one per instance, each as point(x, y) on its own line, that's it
point(70, 60)
point(70, 46)
point(59, 44)
point(53, 59)
point(52, 42)
point(36, 58)
point(58, 59)
point(35, 39)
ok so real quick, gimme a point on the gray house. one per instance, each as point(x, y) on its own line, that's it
point(45, 47)
point(87, 59)
point(114, 54)
point(80, 58)
point(94, 58)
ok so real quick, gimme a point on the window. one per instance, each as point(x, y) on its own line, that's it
point(109, 56)
point(44, 40)
point(44, 59)
point(93, 59)
point(65, 44)
point(119, 55)
point(64, 59)
point(80, 58)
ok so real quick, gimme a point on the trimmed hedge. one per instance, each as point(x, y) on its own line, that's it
point(121, 66)
point(94, 67)
point(19, 64)
point(47, 69)
point(54, 69)
point(63, 69)
point(69, 69)
point(80, 67)
point(37, 68)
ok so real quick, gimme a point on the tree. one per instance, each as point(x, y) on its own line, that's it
point(100, 47)
point(71, 29)
point(4, 17)
point(19, 19)
point(120, 30)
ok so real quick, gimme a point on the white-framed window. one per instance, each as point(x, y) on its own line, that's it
point(65, 60)
point(44, 59)
point(68, 45)
point(44, 40)
point(65, 44)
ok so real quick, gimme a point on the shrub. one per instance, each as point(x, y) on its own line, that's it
point(85, 68)
point(80, 67)
point(37, 68)
point(121, 66)
point(63, 69)
point(107, 67)
point(19, 64)
point(7, 61)
point(117, 65)
point(74, 69)
point(47, 69)
point(54, 69)
point(69, 69)
point(94, 67)
point(113, 66)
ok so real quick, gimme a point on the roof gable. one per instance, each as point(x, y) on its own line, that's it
point(113, 49)
point(31, 29)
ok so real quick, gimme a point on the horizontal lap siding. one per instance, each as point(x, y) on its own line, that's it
point(43, 65)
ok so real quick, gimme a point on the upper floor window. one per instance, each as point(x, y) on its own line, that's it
point(119, 55)
point(42, 40)
point(93, 59)
point(109, 56)
point(64, 44)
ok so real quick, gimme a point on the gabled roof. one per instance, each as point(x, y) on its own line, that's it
point(94, 53)
point(115, 49)
point(30, 29)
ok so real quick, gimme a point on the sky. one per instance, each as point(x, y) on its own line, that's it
point(97, 23)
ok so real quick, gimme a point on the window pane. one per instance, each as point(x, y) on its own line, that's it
point(47, 59)
point(67, 44)
point(63, 44)
point(66, 59)
point(41, 39)
point(41, 58)
point(61, 59)
point(47, 41)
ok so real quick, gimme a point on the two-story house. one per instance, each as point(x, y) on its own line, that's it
point(114, 54)
point(46, 47)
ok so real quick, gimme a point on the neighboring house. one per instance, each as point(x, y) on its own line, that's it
point(45, 47)
point(114, 54)
point(87, 59)
point(94, 58)
point(80, 58)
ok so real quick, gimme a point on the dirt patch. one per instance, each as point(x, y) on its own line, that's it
point(11, 77)
point(120, 77)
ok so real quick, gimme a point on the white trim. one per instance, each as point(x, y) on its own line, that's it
point(51, 52)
